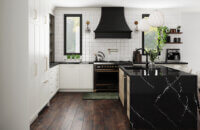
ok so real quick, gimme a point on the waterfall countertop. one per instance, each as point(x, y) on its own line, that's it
point(161, 98)
point(159, 70)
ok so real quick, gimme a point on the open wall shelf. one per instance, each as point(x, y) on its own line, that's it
point(176, 33)
point(173, 43)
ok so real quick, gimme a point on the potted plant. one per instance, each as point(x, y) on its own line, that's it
point(178, 29)
point(73, 57)
point(68, 58)
point(78, 58)
point(167, 30)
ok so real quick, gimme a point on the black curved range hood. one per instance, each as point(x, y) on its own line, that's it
point(112, 24)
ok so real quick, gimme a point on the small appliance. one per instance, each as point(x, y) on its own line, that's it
point(173, 55)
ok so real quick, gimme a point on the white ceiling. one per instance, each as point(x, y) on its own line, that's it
point(194, 4)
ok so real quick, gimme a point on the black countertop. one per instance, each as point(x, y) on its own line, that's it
point(58, 63)
point(92, 62)
point(164, 62)
point(159, 70)
point(161, 98)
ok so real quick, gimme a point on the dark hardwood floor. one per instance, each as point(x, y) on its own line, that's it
point(69, 112)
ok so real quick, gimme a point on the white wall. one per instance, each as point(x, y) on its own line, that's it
point(125, 46)
point(191, 47)
point(13, 64)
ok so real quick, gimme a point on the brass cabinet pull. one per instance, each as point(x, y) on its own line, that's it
point(35, 66)
point(35, 14)
point(46, 81)
point(46, 63)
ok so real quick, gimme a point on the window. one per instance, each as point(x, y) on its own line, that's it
point(149, 38)
point(72, 34)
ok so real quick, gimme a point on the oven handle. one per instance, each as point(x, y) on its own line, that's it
point(106, 70)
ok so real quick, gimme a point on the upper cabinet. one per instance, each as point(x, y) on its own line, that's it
point(40, 89)
point(34, 10)
point(72, 34)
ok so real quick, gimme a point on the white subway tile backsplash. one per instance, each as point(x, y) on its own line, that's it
point(90, 45)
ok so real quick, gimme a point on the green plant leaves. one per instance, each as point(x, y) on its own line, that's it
point(162, 35)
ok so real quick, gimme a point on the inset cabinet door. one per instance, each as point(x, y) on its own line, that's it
point(86, 76)
point(121, 86)
point(69, 76)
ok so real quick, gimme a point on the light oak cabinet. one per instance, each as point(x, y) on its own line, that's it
point(121, 86)
point(124, 91)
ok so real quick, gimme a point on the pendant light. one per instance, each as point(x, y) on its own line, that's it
point(156, 19)
point(143, 25)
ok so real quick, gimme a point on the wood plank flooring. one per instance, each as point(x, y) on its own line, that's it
point(69, 112)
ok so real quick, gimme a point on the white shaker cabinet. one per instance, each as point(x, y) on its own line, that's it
point(76, 77)
point(86, 76)
point(34, 69)
point(41, 87)
point(49, 87)
point(53, 78)
point(69, 76)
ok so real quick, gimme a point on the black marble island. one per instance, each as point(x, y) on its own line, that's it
point(160, 98)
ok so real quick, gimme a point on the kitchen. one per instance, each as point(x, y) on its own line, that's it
point(83, 62)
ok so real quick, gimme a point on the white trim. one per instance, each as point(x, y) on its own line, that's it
point(33, 118)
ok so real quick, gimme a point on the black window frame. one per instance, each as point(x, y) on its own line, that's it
point(65, 37)
point(143, 52)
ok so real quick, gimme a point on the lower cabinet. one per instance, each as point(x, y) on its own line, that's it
point(53, 78)
point(43, 91)
point(76, 77)
point(124, 91)
point(121, 86)
point(49, 87)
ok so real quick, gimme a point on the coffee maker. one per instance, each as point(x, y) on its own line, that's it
point(173, 55)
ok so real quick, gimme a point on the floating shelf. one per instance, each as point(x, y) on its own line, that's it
point(173, 43)
point(176, 33)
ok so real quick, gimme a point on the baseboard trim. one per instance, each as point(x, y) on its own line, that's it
point(76, 90)
point(34, 117)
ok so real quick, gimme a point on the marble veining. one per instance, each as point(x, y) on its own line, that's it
point(169, 98)
point(145, 120)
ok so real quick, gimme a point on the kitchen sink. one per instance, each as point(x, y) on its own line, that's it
point(134, 68)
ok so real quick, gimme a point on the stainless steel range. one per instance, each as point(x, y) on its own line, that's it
point(106, 75)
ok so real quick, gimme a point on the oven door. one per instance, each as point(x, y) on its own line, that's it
point(106, 80)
